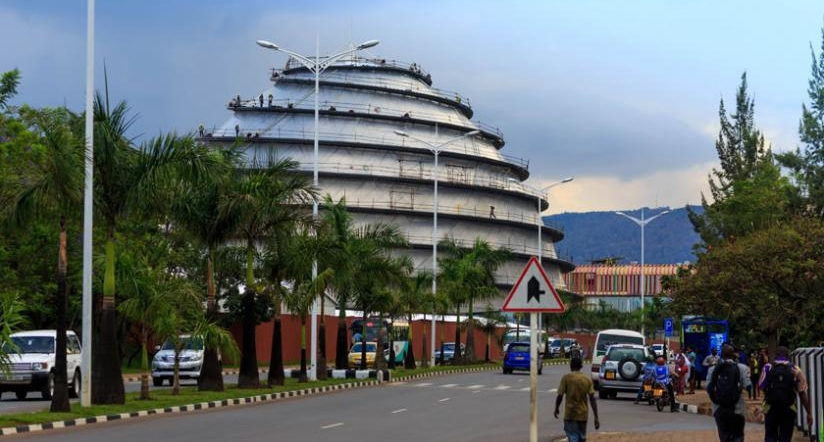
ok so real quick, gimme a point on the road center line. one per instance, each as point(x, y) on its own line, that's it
point(399, 411)
point(444, 399)
point(326, 427)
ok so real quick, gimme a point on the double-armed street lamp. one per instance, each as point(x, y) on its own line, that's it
point(316, 66)
point(436, 150)
point(542, 194)
point(642, 222)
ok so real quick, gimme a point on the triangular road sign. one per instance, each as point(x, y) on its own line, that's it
point(533, 292)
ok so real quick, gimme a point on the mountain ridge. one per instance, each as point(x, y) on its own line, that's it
point(590, 236)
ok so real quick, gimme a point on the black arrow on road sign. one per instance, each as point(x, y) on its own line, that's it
point(533, 290)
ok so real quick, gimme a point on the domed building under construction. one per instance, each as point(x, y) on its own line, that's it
point(380, 125)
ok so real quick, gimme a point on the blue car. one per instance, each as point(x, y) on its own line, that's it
point(517, 357)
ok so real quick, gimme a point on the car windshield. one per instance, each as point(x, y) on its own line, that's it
point(607, 340)
point(188, 344)
point(31, 344)
point(520, 348)
point(370, 347)
point(449, 347)
point(617, 353)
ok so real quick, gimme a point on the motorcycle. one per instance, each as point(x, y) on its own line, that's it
point(661, 396)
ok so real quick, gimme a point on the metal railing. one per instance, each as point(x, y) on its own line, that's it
point(336, 77)
point(355, 60)
point(462, 147)
point(527, 249)
point(368, 109)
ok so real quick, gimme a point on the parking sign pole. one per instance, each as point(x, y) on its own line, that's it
point(533, 377)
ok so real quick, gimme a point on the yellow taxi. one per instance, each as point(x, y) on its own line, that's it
point(355, 354)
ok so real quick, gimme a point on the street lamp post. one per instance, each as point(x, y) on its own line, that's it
point(316, 66)
point(436, 150)
point(642, 222)
point(535, 326)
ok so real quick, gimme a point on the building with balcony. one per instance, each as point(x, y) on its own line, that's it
point(389, 178)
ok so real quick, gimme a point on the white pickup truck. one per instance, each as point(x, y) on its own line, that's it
point(32, 364)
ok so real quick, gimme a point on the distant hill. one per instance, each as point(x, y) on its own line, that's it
point(596, 235)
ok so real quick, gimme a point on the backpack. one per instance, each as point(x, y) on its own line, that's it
point(725, 388)
point(779, 386)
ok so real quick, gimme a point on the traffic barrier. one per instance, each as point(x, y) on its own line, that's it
point(811, 362)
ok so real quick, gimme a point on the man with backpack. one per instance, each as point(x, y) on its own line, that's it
point(725, 382)
point(781, 382)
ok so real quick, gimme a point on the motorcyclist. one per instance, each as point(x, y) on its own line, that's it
point(662, 376)
point(648, 378)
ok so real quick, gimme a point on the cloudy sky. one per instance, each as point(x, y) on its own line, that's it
point(622, 95)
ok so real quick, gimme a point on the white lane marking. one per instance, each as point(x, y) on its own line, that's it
point(525, 389)
point(502, 387)
point(422, 384)
point(449, 385)
point(477, 391)
point(476, 387)
point(444, 399)
point(326, 427)
point(399, 411)
point(554, 390)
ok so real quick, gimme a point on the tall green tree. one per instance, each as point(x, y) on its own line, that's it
point(11, 318)
point(197, 210)
point(807, 163)
point(127, 178)
point(264, 199)
point(412, 297)
point(744, 157)
point(56, 188)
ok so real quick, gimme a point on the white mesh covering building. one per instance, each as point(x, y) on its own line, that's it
point(389, 178)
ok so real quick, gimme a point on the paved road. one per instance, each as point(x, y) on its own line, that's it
point(487, 406)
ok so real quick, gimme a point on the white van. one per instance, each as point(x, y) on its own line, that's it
point(606, 338)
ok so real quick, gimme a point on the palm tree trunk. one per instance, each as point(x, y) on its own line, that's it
point(457, 357)
point(342, 344)
point(275, 376)
point(321, 373)
point(60, 397)
point(303, 377)
point(248, 376)
point(409, 359)
point(211, 375)
point(363, 341)
point(470, 336)
point(107, 377)
point(176, 374)
point(144, 368)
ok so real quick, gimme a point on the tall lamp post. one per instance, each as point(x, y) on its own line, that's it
point(642, 222)
point(316, 66)
point(436, 150)
point(540, 194)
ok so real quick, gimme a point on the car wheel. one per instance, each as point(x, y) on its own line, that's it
point(20, 394)
point(74, 392)
point(48, 387)
point(603, 393)
point(157, 382)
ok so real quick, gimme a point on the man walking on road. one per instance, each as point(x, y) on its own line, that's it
point(576, 386)
point(725, 382)
point(781, 382)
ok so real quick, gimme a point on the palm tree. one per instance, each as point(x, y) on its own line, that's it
point(475, 271)
point(11, 318)
point(57, 187)
point(125, 179)
point(413, 293)
point(369, 252)
point(264, 200)
point(197, 211)
point(494, 319)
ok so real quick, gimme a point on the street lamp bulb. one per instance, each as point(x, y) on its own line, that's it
point(368, 44)
point(401, 133)
point(267, 44)
point(568, 179)
point(472, 133)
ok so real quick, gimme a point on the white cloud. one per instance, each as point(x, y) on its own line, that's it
point(673, 188)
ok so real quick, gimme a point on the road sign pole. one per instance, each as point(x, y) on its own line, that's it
point(533, 377)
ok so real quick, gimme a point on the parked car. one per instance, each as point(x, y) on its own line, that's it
point(355, 354)
point(659, 349)
point(191, 360)
point(622, 369)
point(555, 346)
point(517, 357)
point(448, 353)
point(31, 365)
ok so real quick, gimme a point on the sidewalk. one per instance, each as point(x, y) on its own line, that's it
point(697, 403)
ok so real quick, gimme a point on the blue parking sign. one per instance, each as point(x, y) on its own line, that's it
point(668, 327)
